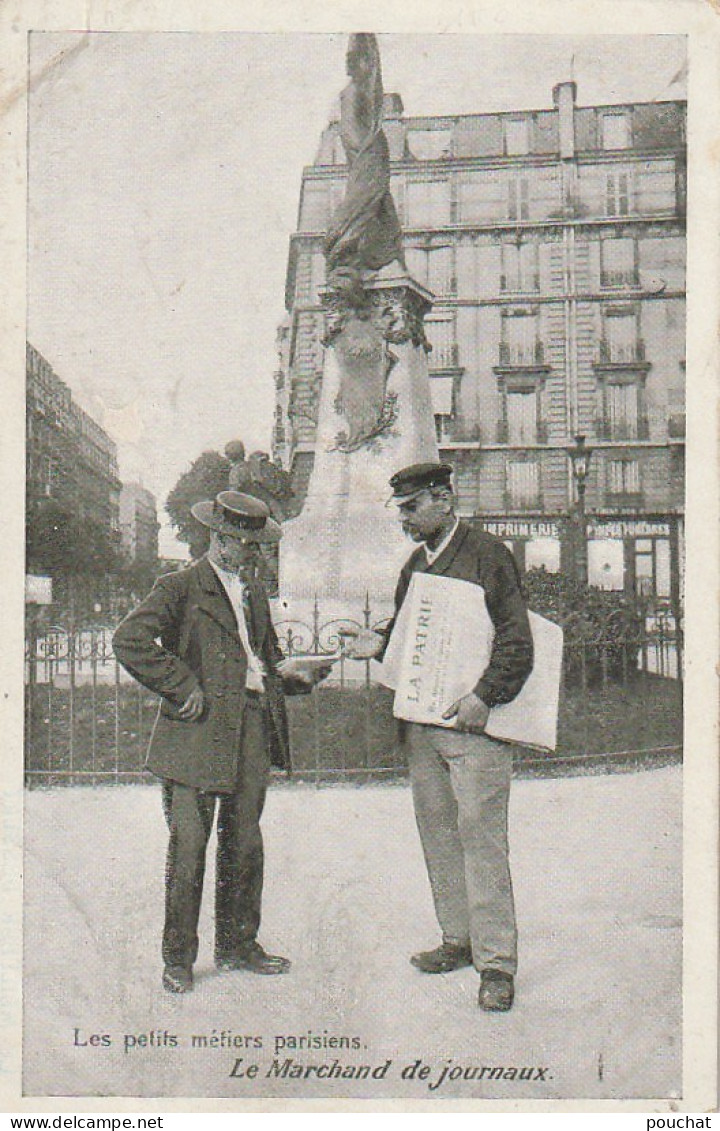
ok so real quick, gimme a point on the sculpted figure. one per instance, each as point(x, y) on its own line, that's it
point(365, 232)
point(259, 477)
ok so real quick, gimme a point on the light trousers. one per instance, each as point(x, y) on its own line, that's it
point(461, 788)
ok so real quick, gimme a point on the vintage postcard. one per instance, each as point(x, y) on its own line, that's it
point(303, 308)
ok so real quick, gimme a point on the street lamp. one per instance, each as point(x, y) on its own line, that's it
point(580, 456)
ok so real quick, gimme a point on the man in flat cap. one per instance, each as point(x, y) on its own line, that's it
point(204, 642)
point(461, 777)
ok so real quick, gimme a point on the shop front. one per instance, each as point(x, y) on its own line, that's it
point(638, 554)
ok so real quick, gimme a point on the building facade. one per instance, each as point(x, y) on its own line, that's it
point(139, 524)
point(70, 460)
point(554, 242)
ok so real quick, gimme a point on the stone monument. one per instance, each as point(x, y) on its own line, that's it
point(375, 413)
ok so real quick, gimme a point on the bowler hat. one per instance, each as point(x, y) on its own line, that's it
point(238, 515)
point(411, 481)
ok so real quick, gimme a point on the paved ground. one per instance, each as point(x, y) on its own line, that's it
point(597, 875)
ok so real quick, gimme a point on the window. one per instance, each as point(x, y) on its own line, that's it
point(482, 196)
point(621, 338)
point(652, 567)
point(518, 199)
point(644, 560)
point(442, 396)
point(520, 345)
point(430, 145)
point(314, 214)
point(517, 136)
point(618, 194)
point(618, 263)
point(522, 418)
point(623, 477)
point(441, 335)
point(543, 553)
point(523, 483)
point(428, 204)
point(310, 276)
point(615, 131)
point(622, 411)
point(606, 563)
point(520, 267)
point(432, 267)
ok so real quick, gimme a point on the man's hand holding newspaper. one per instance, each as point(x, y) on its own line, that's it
point(470, 712)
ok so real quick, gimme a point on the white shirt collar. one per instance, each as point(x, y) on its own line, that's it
point(235, 588)
point(226, 575)
point(432, 555)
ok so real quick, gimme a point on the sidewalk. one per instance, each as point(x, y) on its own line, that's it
point(597, 873)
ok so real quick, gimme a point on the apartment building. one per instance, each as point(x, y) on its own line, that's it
point(554, 242)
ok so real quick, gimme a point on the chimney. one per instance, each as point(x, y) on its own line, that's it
point(564, 96)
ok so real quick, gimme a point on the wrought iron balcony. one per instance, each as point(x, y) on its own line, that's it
point(443, 356)
point(517, 284)
point(622, 428)
point(619, 279)
point(522, 501)
point(502, 435)
point(628, 500)
point(521, 356)
point(615, 353)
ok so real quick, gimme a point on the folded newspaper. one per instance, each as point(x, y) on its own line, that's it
point(440, 647)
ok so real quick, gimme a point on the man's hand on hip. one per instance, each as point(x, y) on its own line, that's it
point(192, 708)
point(472, 714)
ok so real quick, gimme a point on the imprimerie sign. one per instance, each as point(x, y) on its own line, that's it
point(528, 528)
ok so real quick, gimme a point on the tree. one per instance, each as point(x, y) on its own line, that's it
point(63, 545)
point(204, 479)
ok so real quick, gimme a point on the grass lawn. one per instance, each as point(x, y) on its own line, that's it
point(343, 729)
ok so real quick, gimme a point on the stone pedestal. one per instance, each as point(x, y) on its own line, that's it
point(375, 417)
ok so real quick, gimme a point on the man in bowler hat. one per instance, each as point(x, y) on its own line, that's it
point(204, 642)
point(461, 777)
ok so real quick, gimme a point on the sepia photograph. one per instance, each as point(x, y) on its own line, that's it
point(355, 565)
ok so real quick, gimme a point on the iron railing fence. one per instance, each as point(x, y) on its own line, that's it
point(86, 720)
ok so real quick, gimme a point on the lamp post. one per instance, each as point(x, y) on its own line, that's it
point(580, 456)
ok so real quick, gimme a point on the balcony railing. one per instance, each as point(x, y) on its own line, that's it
point(450, 430)
point(619, 279)
point(632, 500)
point(522, 356)
point(520, 284)
point(502, 435)
point(443, 356)
point(522, 501)
point(622, 428)
point(616, 353)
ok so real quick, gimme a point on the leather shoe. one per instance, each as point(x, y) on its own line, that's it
point(497, 991)
point(444, 959)
point(252, 957)
point(177, 980)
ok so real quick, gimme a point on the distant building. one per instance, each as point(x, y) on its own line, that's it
point(69, 457)
point(71, 463)
point(139, 524)
point(554, 242)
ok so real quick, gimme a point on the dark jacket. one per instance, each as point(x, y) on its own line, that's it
point(184, 634)
point(472, 555)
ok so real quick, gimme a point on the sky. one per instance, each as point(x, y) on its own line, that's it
point(164, 178)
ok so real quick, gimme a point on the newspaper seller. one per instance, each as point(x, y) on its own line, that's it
point(203, 640)
point(460, 777)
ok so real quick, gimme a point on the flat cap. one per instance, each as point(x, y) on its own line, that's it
point(410, 481)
